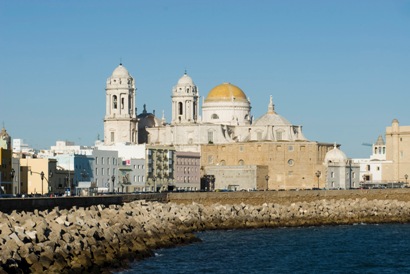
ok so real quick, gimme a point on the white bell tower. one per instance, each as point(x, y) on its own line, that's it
point(120, 122)
point(185, 101)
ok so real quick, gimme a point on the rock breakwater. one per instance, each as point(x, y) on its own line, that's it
point(91, 239)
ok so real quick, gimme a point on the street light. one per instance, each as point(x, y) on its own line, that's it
point(42, 178)
point(318, 173)
point(267, 180)
point(112, 180)
point(12, 172)
point(406, 177)
point(155, 185)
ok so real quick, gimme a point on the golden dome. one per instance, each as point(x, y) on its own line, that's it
point(225, 92)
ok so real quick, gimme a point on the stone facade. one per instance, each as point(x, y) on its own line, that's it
point(292, 165)
point(397, 152)
point(238, 178)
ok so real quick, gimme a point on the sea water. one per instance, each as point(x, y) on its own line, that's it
point(383, 248)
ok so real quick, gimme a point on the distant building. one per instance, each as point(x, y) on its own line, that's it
point(341, 172)
point(6, 182)
point(397, 169)
point(187, 174)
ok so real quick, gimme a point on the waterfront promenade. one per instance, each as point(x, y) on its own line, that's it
point(100, 237)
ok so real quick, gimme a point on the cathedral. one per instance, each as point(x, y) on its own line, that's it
point(220, 128)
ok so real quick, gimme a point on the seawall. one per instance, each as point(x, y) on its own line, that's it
point(287, 197)
point(99, 237)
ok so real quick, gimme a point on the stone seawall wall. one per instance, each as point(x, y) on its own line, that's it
point(95, 238)
point(287, 197)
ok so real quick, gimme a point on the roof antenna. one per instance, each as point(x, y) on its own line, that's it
point(120, 61)
point(185, 71)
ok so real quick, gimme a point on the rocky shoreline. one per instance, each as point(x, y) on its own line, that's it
point(99, 238)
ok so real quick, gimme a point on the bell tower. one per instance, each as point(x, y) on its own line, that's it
point(120, 121)
point(185, 101)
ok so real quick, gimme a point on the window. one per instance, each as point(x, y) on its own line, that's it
point(332, 174)
point(210, 137)
point(96, 160)
point(241, 162)
point(214, 116)
point(102, 160)
point(102, 171)
point(112, 137)
point(122, 103)
point(259, 135)
point(114, 99)
point(368, 167)
point(180, 108)
point(291, 162)
point(290, 148)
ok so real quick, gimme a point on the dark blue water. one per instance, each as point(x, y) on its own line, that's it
point(331, 249)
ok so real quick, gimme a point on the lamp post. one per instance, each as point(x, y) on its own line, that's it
point(406, 177)
point(155, 185)
point(112, 180)
point(267, 181)
point(42, 179)
point(318, 173)
point(12, 172)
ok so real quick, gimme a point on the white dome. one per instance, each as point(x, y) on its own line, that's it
point(335, 156)
point(185, 80)
point(120, 72)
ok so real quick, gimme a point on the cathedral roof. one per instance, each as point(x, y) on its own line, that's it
point(226, 92)
point(380, 141)
point(335, 156)
point(4, 133)
point(271, 117)
point(120, 72)
point(185, 80)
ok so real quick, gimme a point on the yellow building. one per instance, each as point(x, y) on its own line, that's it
point(291, 165)
point(397, 166)
point(37, 175)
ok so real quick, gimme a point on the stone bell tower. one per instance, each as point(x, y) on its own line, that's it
point(120, 121)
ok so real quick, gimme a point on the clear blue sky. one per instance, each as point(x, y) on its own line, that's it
point(338, 68)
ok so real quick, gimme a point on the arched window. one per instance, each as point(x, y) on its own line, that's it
point(222, 163)
point(180, 108)
point(214, 116)
point(241, 162)
point(114, 102)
